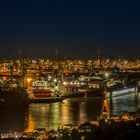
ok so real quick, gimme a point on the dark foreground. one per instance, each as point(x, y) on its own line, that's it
point(123, 130)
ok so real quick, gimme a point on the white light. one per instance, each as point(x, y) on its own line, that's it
point(29, 79)
point(16, 137)
point(49, 77)
point(64, 83)
point(82, 83)
point(106, 75)
point(71, 83)
point(55, 80)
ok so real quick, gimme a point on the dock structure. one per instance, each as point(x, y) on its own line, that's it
point(46, 100)
point(121, 92)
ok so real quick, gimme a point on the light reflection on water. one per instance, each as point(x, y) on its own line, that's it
point(79, 110)
point(71, 111)
point(129, 103)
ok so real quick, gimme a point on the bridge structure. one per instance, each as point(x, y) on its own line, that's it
point(107, 101)
point(105, 110)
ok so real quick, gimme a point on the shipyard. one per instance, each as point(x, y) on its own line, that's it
point(58, 83)
point(23, 87)
point(69, 70)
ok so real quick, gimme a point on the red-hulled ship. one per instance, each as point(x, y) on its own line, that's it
point(42, 92)
point(40, 89)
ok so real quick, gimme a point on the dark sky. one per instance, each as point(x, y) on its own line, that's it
point(73, 27)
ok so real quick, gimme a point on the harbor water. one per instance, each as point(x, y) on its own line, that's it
point(73, 111)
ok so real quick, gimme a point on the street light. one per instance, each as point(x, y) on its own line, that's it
point(55, 80)
point(64, 83)
point(49, 77)
point(29, 83)
point(29, 79)
point(106, 75)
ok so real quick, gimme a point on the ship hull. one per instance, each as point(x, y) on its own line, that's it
point(89, 93)
point(46, 100)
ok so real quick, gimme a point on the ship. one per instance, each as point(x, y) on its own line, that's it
point(42, 92)
point(76, 88)
point(45, 91)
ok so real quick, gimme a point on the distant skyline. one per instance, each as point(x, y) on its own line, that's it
point(76, 28)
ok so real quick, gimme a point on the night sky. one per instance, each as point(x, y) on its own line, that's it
point(76, 28)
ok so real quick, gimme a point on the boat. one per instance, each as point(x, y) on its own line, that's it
point(41, 92)
point(92, 88)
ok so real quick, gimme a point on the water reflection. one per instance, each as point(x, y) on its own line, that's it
point(45, 115)
point(70, 111)
point(31, 125)
point(129, 103)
